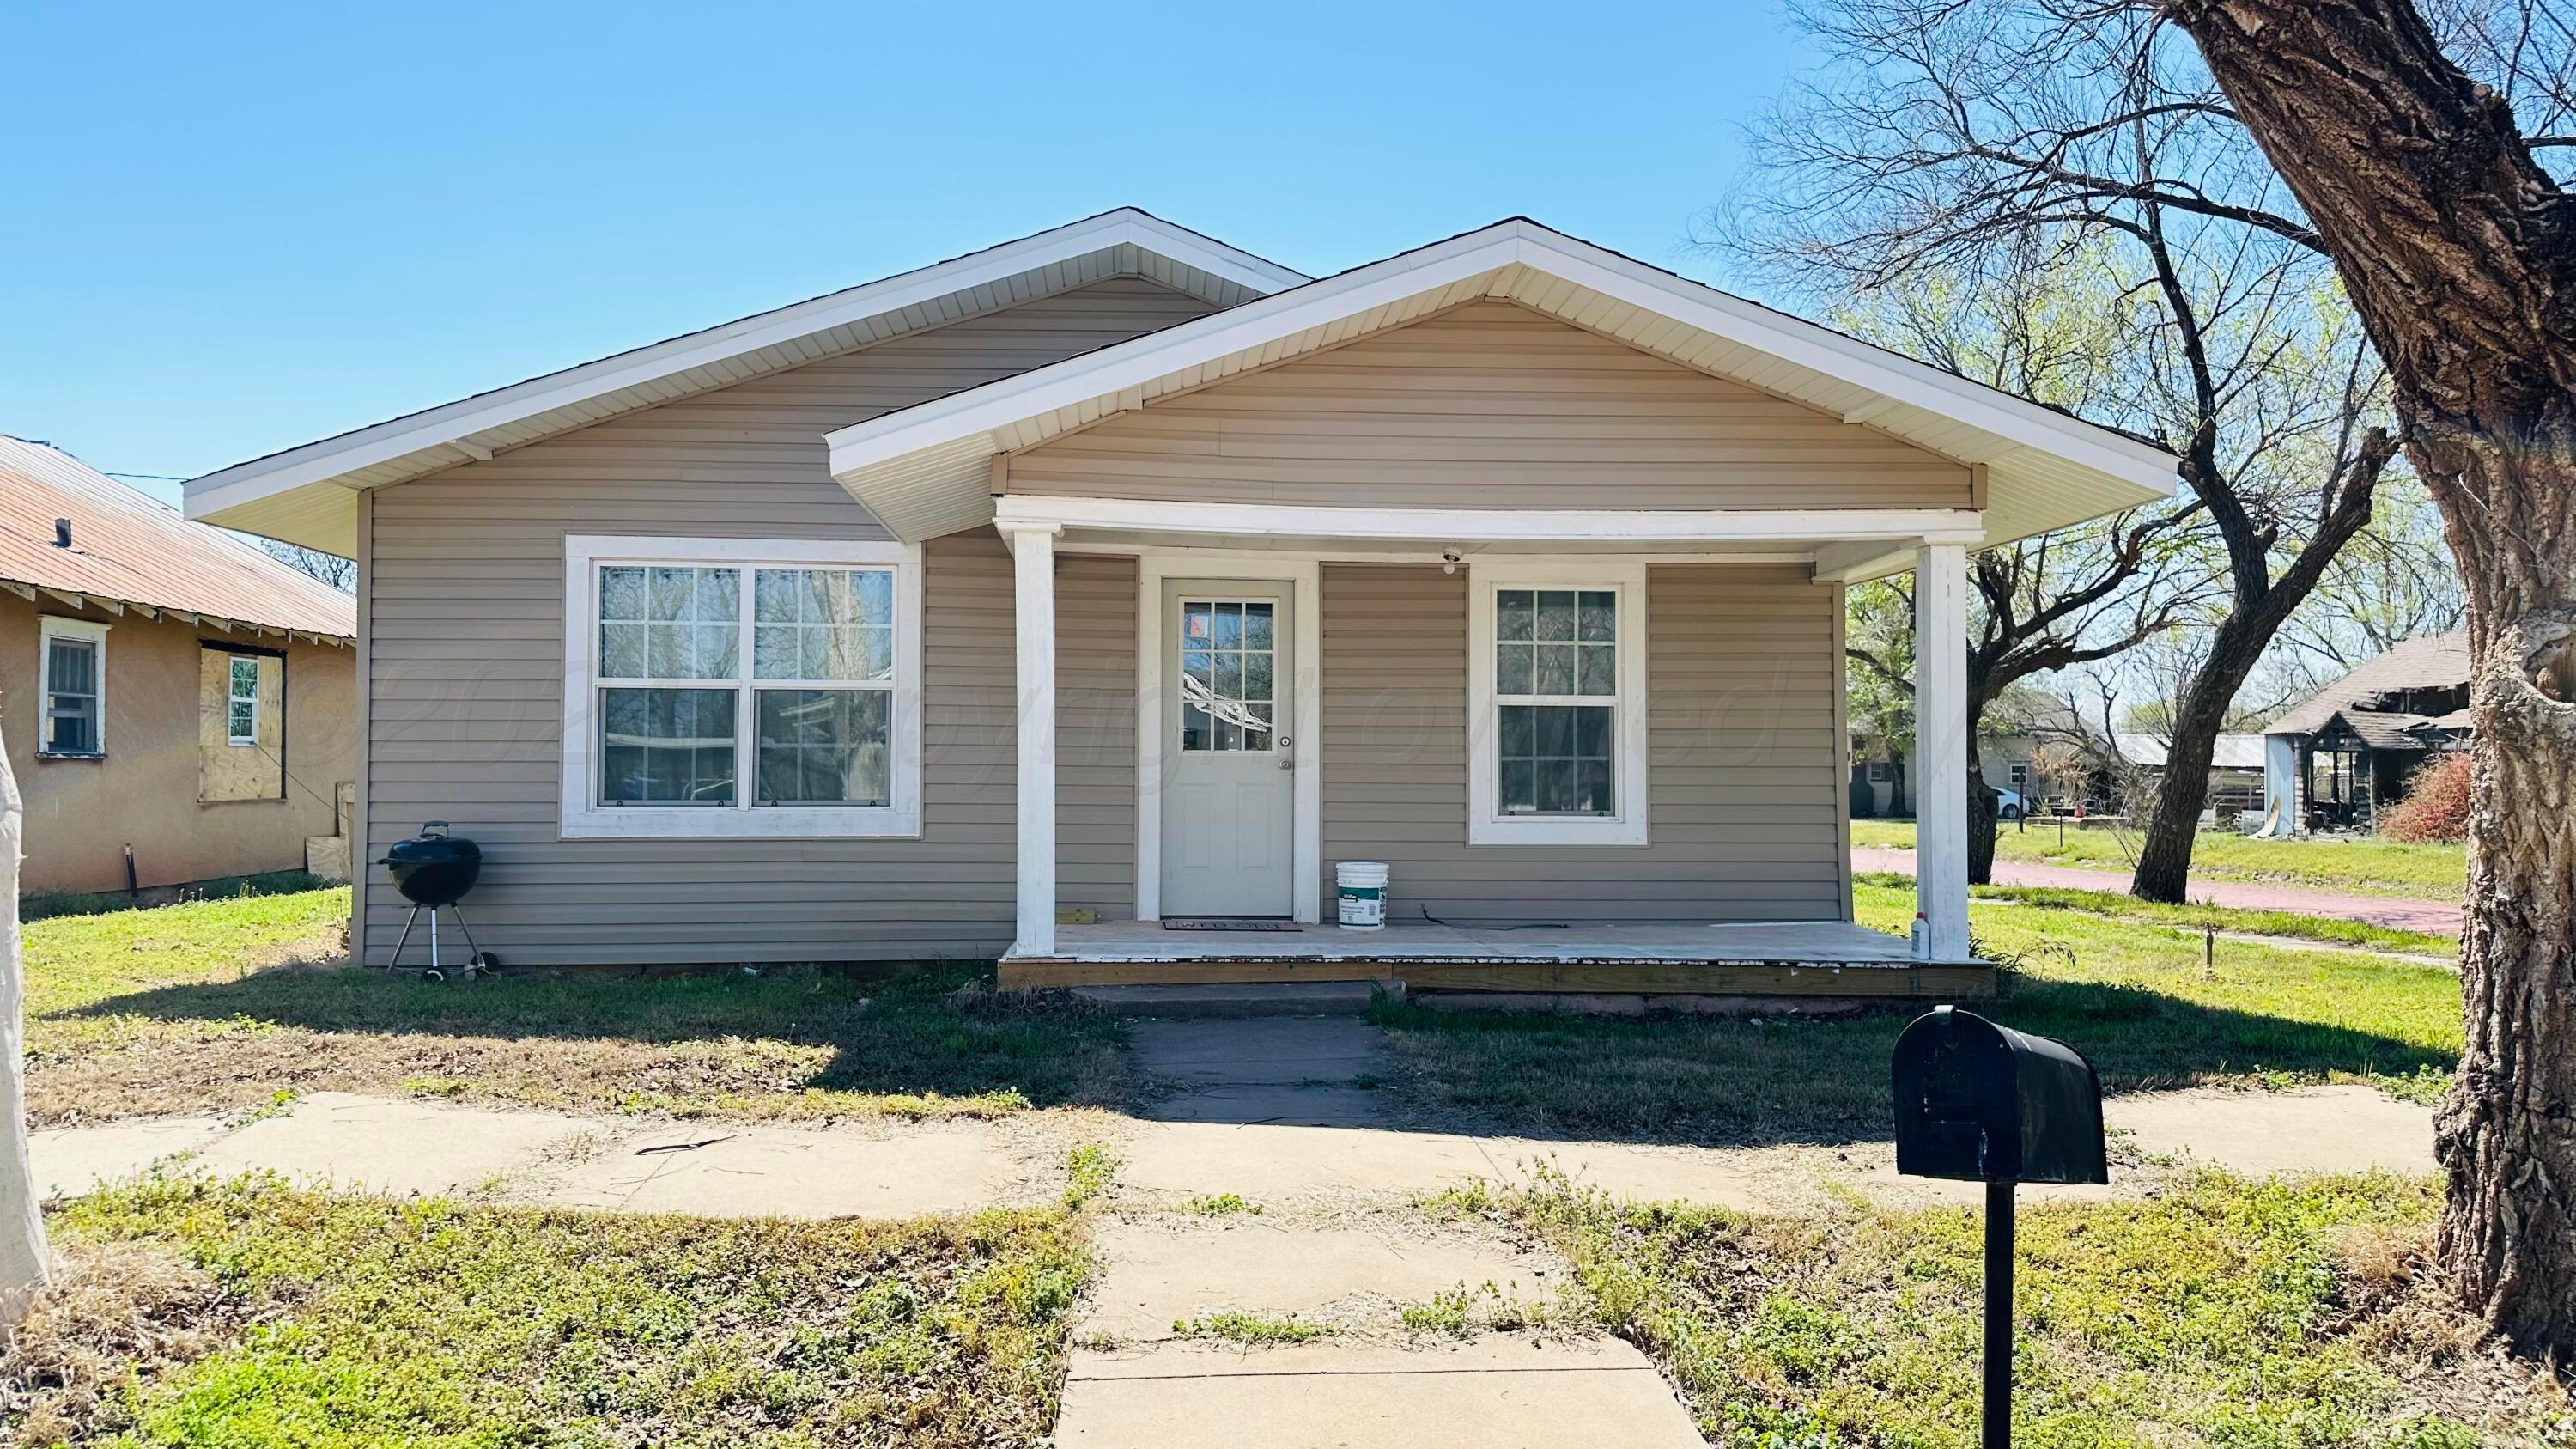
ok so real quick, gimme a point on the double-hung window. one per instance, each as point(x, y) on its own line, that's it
point(241, 701)
point(73, 653)
point(1556, 679)
point(741, 687)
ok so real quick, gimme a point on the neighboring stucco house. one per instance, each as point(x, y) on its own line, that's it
point(2335, 758)
point(1116, 570)
point(178, 705)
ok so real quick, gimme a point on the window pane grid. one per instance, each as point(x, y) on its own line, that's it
point(1229, 675)
point(71, 697)
point(241, 701)
point(1556, 697)
point(666, 740)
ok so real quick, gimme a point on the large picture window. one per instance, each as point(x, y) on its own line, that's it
point(1556, 673)
point(739, 687)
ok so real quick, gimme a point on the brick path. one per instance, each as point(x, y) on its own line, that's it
point(2441, 918)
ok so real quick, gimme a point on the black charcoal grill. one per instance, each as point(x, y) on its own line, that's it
point(435, 869)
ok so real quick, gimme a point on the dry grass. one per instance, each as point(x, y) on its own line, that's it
point(117, 1318)
point(2395, 1314)
point(221, 1005)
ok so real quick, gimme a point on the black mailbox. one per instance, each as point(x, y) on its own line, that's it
point(1985, 1103)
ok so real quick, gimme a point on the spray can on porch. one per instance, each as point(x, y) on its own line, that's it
point(1361, 887)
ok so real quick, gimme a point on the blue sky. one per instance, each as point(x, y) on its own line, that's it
point(233, 229)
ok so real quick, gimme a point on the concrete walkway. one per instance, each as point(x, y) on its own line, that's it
point(1282, 1114)
point(1274, 1193)
point(2397, 913)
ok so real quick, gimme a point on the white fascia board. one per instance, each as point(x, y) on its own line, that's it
point(1163, 354)
point(332, 457)
point(1490, 525)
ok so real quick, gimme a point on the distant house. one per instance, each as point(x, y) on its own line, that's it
point(177, 705)
point(2332, 761)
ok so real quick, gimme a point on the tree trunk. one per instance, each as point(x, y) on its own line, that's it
point(22, 1225)
point(2173, 827)
point(1981, 817)
point(2459, 253)
point(2506, 1136)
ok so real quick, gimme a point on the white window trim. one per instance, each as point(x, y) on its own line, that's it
point(1486, 825)
point(230, 661)
point(50, 627)
point(584, 819)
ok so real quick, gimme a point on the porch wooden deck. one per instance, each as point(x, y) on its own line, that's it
point(1765, 958)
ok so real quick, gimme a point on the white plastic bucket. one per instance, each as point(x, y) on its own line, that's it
point(1361, 885)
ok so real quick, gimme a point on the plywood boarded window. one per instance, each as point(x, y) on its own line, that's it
point(241, 725)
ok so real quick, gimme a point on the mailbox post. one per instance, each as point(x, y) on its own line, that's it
point(1977, 1102)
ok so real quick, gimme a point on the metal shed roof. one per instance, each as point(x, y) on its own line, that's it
point(129, 550)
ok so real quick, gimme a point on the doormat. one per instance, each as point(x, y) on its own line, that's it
point(1225, 923)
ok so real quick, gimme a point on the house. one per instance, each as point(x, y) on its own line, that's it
point(178, 705)
point(1116, 571)
point(2333, 759)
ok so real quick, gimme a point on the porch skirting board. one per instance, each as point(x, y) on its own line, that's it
point(1969, 981)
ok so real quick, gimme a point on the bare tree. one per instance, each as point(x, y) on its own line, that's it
point(2458, 247)
point(2393, 582)
point(23, 1260)
point(2041, 322)
point(1964, 134)
point(340, 573)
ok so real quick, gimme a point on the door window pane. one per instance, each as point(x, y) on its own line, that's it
point(824, 746)
point(1229, 675)
point(666, 746)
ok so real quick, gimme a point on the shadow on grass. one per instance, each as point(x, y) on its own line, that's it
point(918, 1032)
point(1732, 1082)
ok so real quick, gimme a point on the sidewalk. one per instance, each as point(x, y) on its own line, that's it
point(2398, 913)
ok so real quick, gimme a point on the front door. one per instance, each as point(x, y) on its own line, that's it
point(1227, 771)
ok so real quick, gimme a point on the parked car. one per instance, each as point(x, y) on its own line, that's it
point(2008, 804)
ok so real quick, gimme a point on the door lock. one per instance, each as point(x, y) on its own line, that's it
point(1287, 755)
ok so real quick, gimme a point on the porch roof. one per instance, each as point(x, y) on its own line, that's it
point(928, 470)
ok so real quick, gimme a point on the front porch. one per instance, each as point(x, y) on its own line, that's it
point(1748, 958)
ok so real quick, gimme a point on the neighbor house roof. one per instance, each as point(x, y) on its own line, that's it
point(129, 551)
point(2228, 752)
point(2431, 661)
point(926, 470)
point(308, 494)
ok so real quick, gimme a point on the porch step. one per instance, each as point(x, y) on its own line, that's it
point(1269, 998)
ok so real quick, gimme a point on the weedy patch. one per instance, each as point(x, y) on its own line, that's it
point(223, 1004)
point(296, 1317)
point(2225, 1312)
point(2134, 997)
point(1088, 1171)
point(117, 1320)
point(1463, 1310)
point(1219, 1205)
point(1255, 1329)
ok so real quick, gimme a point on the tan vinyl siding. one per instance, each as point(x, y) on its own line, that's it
point(1743, 789)
point(466, 620)
point(1490, 405)
point(1095, 740)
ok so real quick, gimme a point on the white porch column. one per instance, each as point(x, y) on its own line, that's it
point(1033, 610)
point(1941, 745)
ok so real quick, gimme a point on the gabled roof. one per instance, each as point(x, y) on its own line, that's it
point(2227, 752)
point(2430, 661)
point(307, 495)
point(926, 470)
point(128, 550)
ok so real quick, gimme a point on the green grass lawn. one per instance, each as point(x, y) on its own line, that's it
point(2130, 993)
point(251, 1315)
point(2352, 867)
point(225, 1003)
point(2286, 1314)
